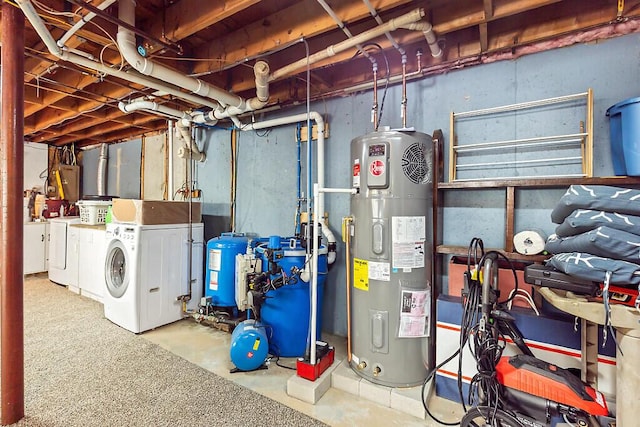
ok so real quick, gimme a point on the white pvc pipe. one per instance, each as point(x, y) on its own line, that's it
point(429, 35)
point(318, 206)
point(127, 44)
point(393, 24)
point(86, 18)
point(133, 77)
point(344, 29)
point(129, 107)
point(313, 115)
point(170, 149)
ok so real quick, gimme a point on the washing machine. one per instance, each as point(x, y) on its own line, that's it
point(63, 251)
point(147, 270)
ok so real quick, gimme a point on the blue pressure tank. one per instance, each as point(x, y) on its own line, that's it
point(221, 267)
point(249, 345)
point(287, 310)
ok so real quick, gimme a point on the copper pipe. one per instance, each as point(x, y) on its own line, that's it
point(403, 109)
point(347, 239)
point(11, 233)
point(374, 108)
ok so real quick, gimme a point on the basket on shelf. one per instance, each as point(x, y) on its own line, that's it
point(93, 212)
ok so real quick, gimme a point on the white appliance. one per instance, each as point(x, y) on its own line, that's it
point(63, 250)
point(92, 252)
point(147, 269)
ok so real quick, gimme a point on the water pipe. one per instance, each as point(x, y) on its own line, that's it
point(318, 206)
point(131, 76)
point(170, 149)
point(400, 22)
point(78, 25)
point(229, 104)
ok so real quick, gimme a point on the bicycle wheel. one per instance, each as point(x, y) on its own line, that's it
point(484, 416)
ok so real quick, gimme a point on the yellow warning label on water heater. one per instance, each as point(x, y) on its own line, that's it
point(361, 274)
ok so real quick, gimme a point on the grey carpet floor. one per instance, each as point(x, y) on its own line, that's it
point(82, 370)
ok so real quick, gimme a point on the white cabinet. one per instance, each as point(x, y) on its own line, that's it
point(35, 247)
point(92, 250)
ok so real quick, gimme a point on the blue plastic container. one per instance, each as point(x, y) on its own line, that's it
point(624, 128)
point(249, 345)
point(287, 310)
point(220, 280)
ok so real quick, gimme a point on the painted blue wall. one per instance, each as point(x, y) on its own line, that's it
point(267, 161)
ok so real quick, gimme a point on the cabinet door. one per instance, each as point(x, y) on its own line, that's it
point(34, 249)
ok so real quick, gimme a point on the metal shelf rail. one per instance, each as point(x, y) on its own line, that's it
point(583, 141)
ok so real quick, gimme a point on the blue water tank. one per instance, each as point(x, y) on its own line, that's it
point(221, 267)
point(286, 310)
point(249, 345)
point(624, 131)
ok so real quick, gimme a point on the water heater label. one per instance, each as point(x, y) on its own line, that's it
point(408, 241)
point(379, 271)
point(361, 274)
point(356, 173)
point(414, 308)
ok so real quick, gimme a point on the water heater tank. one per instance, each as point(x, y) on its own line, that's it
point(391, 295)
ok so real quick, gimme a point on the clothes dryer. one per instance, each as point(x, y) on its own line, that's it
point(147, 271)
point(63, 251)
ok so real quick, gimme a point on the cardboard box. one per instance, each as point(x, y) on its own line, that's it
point(551, 338)
point(154, 212)
point(506, 282)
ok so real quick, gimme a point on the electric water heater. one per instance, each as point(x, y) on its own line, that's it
point(391, 293)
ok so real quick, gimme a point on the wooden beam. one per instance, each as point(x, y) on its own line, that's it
point(275, 31)
point(187, 17)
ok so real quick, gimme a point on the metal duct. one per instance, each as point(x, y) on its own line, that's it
point(103, 161)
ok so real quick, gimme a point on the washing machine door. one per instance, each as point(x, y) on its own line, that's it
point(116, 269)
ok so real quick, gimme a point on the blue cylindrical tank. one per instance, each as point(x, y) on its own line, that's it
point(221, 267)
point(249, 345)
point(287, 309)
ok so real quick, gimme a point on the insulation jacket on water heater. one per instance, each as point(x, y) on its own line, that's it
point(391, 295)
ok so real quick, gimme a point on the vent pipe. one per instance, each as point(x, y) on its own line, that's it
point(103, 162)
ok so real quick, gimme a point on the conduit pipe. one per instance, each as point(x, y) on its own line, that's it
point(344, 29)
point(38, 24)
point(374, 14)
point(102, 169)
point(78, 25)
point(400, 22)
point(230, 104)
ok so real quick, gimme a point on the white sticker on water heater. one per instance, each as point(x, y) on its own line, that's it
point(408, 235)
point(356, 174)
point(408, 229)
point(408, 255)
point(379, 271)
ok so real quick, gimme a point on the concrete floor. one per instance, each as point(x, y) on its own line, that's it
point(209, 348)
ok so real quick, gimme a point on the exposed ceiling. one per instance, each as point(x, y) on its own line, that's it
point(219, 41)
